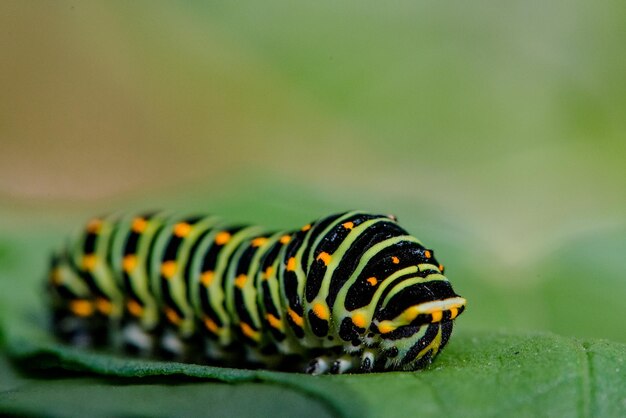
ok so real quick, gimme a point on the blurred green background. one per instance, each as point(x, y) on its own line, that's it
point(496, 131)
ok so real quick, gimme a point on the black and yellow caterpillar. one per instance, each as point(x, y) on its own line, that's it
point(349, 292)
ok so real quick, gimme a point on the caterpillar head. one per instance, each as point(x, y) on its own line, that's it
point(415, 321)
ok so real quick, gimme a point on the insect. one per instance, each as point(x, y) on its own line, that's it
point(351, 292)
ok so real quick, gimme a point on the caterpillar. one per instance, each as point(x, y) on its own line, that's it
point(351, 292)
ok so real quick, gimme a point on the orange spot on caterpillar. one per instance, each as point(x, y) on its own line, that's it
point(297, 319)
point(172, 316)
point(321, 311)
point(248, 331)
point(359, 320)
point(104, 306)
point(274, 322)
point(257, 242)
point(207, 278)
point(134, 307)
point(324, 257)
point(386, 327)
point(437, 316)
point(139, 225)
point(269, 272)
point(241, 280)
point(81, 307)
point(211, 325)
point(291, 264)
point(222, 238)
point(182, 229)
point(129, 262)
point(89, 262)
point(94, 226)
point(454, 312)
point(168, 269)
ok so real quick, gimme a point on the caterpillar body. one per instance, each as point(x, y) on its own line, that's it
point(351, 292)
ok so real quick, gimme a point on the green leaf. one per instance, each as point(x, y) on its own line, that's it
point(480, 374)
point(96, 397)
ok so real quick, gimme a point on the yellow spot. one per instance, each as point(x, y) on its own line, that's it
point(411, 313)
point(297, 319)
point(94, 226)
point(104, 306)
point(211, 325)
point(373, 281)
point(269, 272)
point(427, 254)
point(168, 269)
point(441, 268)
point(348, 225)
point(285, 239)
point(437, 316)
point(56, 277)
point(453, 313)
point(325, 257)
point(320, 310)
point(81, 307)
point(386, 327)
point(134, 307)
point(395, 260)
point(359, 320)
point(222, 238)
point(172, 316)
point(182, 229)
point(291, 264)
point(306, 227)
point(257, 242)
point(89, 262)
point(241, 280)
point(129, 262)
point(139, 225)
point(248, 331)
point(273, 321)
point(207, 278)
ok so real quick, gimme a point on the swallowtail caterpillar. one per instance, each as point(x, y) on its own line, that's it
point(351, 292)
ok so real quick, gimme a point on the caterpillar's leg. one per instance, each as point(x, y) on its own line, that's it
point(367, 361)
point(318, 365)
point(171, 345)
point(174, 346)
point(73, 329)
point(344, 364)
point(136, 340)
point(340, 365)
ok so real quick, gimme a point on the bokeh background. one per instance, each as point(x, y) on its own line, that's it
point(496, 131)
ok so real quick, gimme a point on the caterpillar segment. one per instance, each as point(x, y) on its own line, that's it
point(351, 292)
